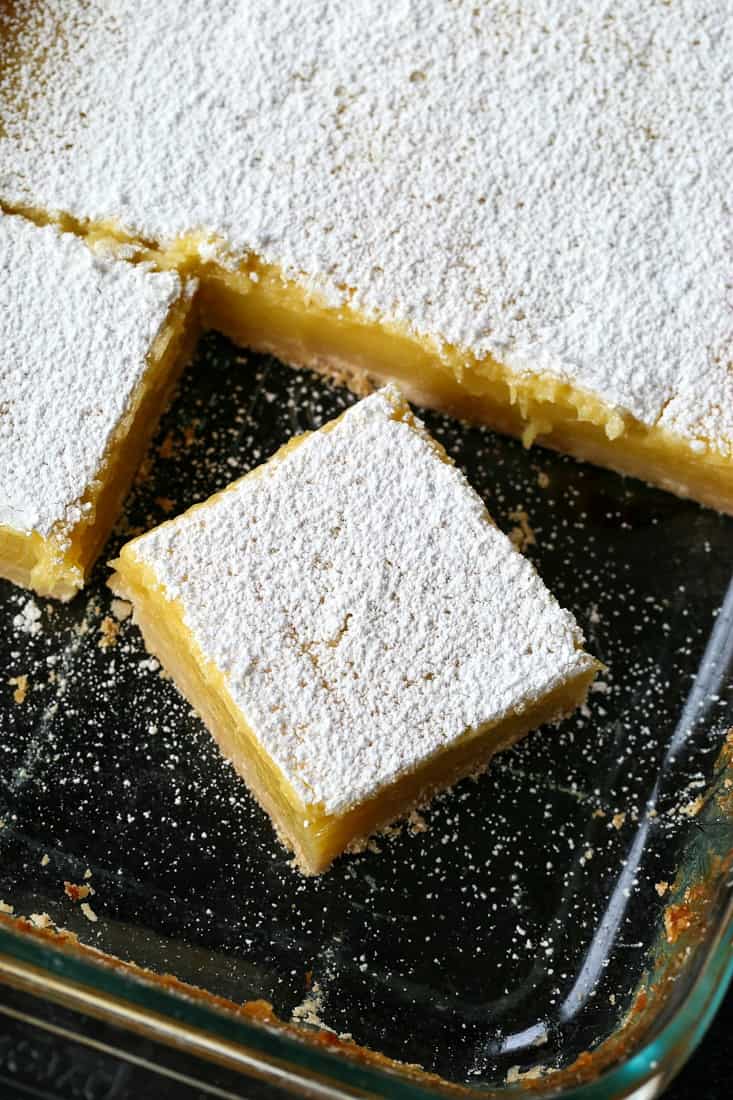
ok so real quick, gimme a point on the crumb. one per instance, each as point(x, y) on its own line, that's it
point(167, 447)
point(40, 920)
point(593, 616)
point(143, 470)
point(89, 912)
point(612, 998)
point(523, 535)
point(692, 809)
point(77, 893)
point(515, 1075)
point(166, 504)
point(598, 812)
point(309, 1010)
point(543, 479)
point(45, 859)
point(677, 919)
point(189, 434)
point(109, 628)
point(5, 908)
point(121, 610)
point(662, 888)
point(20, 683)
point(416, 823)
point(618, 820)
point(87, 873)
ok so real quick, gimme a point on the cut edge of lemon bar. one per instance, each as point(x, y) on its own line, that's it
point(256, 306)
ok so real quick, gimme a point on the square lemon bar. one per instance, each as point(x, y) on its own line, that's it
point(353, 628)
point(90, 348)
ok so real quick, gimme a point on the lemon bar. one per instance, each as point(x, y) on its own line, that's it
point(90, 347)
point(517, 211)
point(353, 628)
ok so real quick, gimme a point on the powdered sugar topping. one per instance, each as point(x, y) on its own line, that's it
point(546, 183)
point(362, 606)
point(75, 330)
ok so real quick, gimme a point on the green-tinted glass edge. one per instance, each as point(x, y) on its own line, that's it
point(282, 1055)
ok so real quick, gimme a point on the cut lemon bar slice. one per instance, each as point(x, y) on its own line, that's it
point(353, 628)
point(90, 348)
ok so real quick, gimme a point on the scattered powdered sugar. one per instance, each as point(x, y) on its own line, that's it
point(75, 331)
point(362, 606)
point(28, 619)
point(109, 769)
point(545, 183)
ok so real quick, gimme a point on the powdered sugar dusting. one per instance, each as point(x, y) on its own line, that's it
point(75, 331)
point(543, 182)
point(362, 606)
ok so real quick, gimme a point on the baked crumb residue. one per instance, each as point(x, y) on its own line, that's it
point(522, 535)
point(310, 1009)
point(77, 892)
point(515, 1076)
point(416, 823)
point(121, 609)
point(168, 446)
point(20, 683)
point(109, 629)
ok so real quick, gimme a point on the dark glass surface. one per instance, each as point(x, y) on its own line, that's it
point(517, 926)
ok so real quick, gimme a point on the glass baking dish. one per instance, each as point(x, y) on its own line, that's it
point(562, 926)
